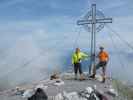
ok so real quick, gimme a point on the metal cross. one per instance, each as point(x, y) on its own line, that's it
point(93, 21)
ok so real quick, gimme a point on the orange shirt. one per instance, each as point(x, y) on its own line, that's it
point(103, 56)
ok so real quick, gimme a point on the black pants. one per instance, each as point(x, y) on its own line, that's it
point(77, 67)
point(101, 64)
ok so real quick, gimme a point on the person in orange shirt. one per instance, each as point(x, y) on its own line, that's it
point(103, 60)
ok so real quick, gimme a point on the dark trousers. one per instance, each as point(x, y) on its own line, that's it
point(77, 67)
point(101, 64)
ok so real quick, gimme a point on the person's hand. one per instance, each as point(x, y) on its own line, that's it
point(93, 55)
point(72, 65)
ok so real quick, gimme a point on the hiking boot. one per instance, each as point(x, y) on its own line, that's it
point(82, 77)
point(103, 81)
point(92, 76)
point(75, 78)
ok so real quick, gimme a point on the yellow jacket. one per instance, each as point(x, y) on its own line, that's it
point(77, 57)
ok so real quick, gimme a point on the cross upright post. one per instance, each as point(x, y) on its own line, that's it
point(93, 21)
point(93, 38)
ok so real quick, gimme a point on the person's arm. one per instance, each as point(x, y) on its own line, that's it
point(84, 55)
point(72, 59)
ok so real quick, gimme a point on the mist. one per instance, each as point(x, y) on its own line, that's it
point(36, 55)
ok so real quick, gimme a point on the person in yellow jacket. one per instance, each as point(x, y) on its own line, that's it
point(77, 57)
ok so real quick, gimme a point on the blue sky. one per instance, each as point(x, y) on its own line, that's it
point(30, 28)
point(33, 9)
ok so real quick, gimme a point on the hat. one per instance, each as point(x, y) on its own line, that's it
point(101, 47)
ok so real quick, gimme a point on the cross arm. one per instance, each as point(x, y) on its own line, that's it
point(100, 20)
point(104, 20)
point(83, 22)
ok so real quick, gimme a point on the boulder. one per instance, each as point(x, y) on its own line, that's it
point(39, 95)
